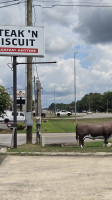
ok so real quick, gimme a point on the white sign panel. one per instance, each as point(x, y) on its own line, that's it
point(21, 41)
point(20, 93)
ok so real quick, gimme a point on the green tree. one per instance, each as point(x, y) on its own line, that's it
point(84, 103)
point(89, 102)
point(106, 102)
point(92, 101)
point(5, 100)
point(60, 106)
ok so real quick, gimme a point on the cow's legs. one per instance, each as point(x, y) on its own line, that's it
point(81, 142)
point(105, 141)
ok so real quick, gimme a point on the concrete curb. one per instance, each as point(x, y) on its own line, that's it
point(58, 154)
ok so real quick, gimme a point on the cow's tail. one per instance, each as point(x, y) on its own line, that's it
point(77, 136)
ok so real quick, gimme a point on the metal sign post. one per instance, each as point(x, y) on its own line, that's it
point(15, 100)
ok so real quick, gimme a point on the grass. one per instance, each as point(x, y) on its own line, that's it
point(90, 147)
point(66, 125)
point(58, 126)
point(61, 125)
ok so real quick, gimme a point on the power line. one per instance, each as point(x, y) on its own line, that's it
point(75, 5)
point(8, 1)
point(11, 3)
point(57, 4)
point(72, 4)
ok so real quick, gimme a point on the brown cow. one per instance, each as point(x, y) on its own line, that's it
point(93, 131)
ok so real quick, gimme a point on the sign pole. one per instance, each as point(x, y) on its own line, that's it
point(29, 79)
point(15, 100)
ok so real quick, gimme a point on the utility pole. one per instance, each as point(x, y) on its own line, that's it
point(34, 95)
point(75, 87)
point(54, 100)
point(29, 77)
point(38, 108)
point(38, 111)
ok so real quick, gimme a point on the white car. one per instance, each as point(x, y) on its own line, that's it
point(63, 113)
point(1, 118)
point(9, 115)
point(89, 112)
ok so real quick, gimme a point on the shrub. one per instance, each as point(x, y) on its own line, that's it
point(20, 126)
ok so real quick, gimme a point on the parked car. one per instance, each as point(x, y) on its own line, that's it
point(63, 113)
point(43, 113)
point(1, 118)
point(89, 112)
point(9, 115)
point(84, 111)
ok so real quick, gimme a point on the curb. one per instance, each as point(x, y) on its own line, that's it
point(59, 154)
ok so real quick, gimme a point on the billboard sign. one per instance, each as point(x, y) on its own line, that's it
point(21, 41)
point(21, 93)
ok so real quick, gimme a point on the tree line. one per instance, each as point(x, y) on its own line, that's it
point(94, 102)
point(5, 100)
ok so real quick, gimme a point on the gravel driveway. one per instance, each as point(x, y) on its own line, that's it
point(56, 178)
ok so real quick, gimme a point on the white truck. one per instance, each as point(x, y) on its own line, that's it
point(63, 113)
point(9, 115)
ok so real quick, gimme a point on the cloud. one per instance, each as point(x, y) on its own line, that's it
point(58, 23)
point(66, 31)
point(14, 15)
point(60, 16)
point(1, 82)
point(95, 25)
point(58, 45)
point(96, 78)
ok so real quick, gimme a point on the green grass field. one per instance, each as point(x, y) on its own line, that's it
point(89, 147)
point(66, 125)
point(60, 125)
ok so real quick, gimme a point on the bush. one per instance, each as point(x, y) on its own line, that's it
point(20, 126)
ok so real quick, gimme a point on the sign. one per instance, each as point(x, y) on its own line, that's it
point(29, 121)
point(21, 93)
point(21, 41)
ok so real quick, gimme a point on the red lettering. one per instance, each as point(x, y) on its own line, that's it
point(18, 50)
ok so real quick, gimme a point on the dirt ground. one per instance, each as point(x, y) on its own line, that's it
point(56, 178)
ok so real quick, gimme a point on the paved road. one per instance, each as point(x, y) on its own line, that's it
point(3, 126)
point(49, 138)
point(59, 138)
point(54, 178)
point(93, 115)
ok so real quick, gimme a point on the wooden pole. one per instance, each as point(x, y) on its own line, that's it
point(29, 76)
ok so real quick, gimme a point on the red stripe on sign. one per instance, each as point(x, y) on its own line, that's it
point(18, 50)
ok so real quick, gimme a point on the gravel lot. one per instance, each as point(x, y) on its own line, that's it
point(54, 178)
point(1, 159)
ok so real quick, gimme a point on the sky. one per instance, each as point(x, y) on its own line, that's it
point(70, 29)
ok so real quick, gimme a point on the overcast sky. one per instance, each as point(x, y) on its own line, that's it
point(68, 29)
